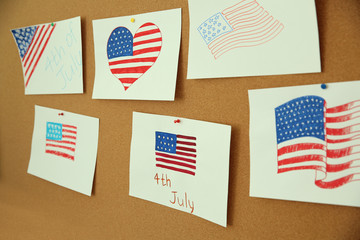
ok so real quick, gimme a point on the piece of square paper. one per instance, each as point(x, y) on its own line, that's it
point(136, 57)
point(51, 57)
point(182, 165)
point(252, 37)
point(304, 143)
point(64, 148)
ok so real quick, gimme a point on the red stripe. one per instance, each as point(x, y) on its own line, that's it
point(186, 154)
point(340, 140)
point(344, 118)
point(314, 167)
point(176, 169)
point(69, 126)
point(68, 142)
point(300, 147)
point(147, 24)
point(175, 157)
point(176, 163)
point(67, 136)
point(60, 146)
point(60, 154)
point(338, 153)
point(37, 48)
point(146, 50)
point(306, 158)
point(140, 34)
point(338, 131)
point(147, 41)
point(186, 149)
point(186, 143)
point(128, 80)
point(339, 167)
point(27, 50)
point(186, 137)
point(47, 40)
point(69, 131)
point(149, 59)
point(341, 108)
point(32, 47)
point(141, 69)
point(335, 183)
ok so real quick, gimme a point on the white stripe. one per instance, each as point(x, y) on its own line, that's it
point(147, 37)
point(307, 163)
point(300, 140)
point(130, 65)
point(147, 45)
point(143, 55)
point(303, 153)
point(128, 75)
point(330, 176)
point(60, 150)
point(147, 28)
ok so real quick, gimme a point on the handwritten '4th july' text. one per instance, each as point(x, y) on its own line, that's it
point(176, 198)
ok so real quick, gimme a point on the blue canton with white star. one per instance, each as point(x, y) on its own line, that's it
point(23, 37)
point(213, 27)
point(120, 43)
point(53, 131)
point(300, 117)
point(165, 142)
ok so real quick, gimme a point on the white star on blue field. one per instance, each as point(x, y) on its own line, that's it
point(300, 117)
point(120, 43)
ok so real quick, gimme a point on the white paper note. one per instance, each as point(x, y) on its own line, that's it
point(304, 143)
point(183, 165)
point(51, 57)
point(136, 57)
point(64, 148)
point(252, 37)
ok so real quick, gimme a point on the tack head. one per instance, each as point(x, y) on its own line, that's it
point(132, 20)
point(323, 86)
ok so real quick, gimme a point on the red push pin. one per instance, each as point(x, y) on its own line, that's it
point(61, 114)
point(177, 121)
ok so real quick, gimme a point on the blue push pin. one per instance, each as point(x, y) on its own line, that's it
point(323, 86)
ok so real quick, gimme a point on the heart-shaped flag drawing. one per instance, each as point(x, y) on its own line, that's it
point(131, 56)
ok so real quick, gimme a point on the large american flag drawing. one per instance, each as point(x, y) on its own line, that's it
point(130, 57)
point(31, 43)
point(61, 140)
point(175, 152)
point(244, 24)
point(312, 136)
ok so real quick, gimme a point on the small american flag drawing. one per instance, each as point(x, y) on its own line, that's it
point(175, 152)
point(130, 57)
point(312, 136)
point(31, 43)
point(244, 24)
point(61, 140)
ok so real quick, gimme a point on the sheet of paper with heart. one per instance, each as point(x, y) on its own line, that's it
point(136, 57)
point(64, 148)
point(51, 57)
point(181, 163)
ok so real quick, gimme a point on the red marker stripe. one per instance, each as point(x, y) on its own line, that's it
point(127, 80)
point(186, 137)
point(33, 46)
point(149, 59)
point(176, 169)
point(68, 131)
point(146, 50)
point(335, 183)
point(306, 158)
point(147, 41)
point(342, 108)
point(32, 40)
point(147, 24)
point(61, 154)
point(338, 153)
point(68, 136)
point(69, 126)
point(144, 33)
point(141, 69)
point(186, 154)
point(60, 146)
point(176, 163)
point(300, 147)
point(339, 167)
point(175, 157)
point(186, 143)
point(47, 40)
point(186, 149)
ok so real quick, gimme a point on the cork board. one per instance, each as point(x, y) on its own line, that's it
point(32, 208)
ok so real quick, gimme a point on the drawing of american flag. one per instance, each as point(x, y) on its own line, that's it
point(130, 57)
point(61, 140)
point(245, 24)
point(312, 136)
point(31, 43)
point(175, 152)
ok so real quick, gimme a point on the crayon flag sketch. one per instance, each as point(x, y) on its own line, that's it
point(245, 24)
point(130, 57)
point(327, 140)
point(175, 152)
point(61, 140)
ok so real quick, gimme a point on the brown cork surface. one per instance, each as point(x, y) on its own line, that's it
point(32, 208)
